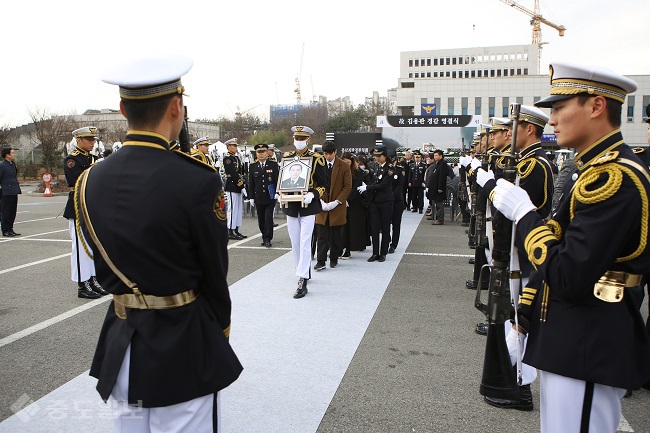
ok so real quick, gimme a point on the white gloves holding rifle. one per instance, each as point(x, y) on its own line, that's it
point(512, 201)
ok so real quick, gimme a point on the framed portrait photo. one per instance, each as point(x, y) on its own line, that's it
point(294, 175)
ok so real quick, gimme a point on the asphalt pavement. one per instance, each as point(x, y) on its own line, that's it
point(393, 349)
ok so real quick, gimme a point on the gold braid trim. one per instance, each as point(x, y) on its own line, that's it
point(226, 332)
point(526, 167)
point(615, 174)
point(556, 228)
point(77, 225)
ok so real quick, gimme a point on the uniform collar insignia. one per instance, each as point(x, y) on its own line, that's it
point(598, 149)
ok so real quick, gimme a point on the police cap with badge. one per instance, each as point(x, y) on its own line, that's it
point(261, 147)
point(380, 149)
point(533, 115)
point(231, 142)
point(85, 132)
point(302, 131)
point(202, 141)
point(500, 124)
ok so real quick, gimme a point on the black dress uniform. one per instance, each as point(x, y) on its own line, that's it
point(73, 165)
point(381, 210)
point(168, 241)
point(416, 179)
point(575, 332)
point(263, 178)
point(399, 177)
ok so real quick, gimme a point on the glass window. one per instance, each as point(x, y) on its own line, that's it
point(520, 100)
point(492, 73)
point(450, 106)
point(512, 71)
point(428, 74)
point(512, 57)
point(453, 60)
point(435, 75)
point(417, 75)
point(630, 108)
point(473, 73)
point(525, 71)
point(485, 73)
point(499, 57)
point(411, 63)
point(518, 71)
point(518, 56)
point(466, 74)
point(448, 60)
point(447, 74)
point(428, 62)
point(498, 72)
point(646, 102)
point(525, 56)
point(491, 102)
point(437, 102)
point(435, 62)
point(492, 58)
point(477, 105)
point(505, 72)
point(535, 98)
point(480, 73)
point(453, 74)
point(460, 60)
point(417, 62)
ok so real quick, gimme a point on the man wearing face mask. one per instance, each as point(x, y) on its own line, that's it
point(301, 217)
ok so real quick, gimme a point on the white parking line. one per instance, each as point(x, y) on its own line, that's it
point(31, 236)
point(467, 256)
point(28, 331)
point(31, 221)
point(26, 265)
point(624, 426)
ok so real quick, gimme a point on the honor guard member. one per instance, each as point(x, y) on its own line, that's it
point(235, 188)
point(163, 353)
point(380, 195)
point(263, 177)
point(500, 141)
point(301, 217)
point(586, 335)
point(271, 153)
point(416, 182)
point(536, 178)
point(201, 151)
point(81, 259)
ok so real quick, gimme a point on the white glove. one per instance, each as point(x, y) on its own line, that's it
point(347, 204)
point(324, 206)
point(277, 196)
point(362, 188)
point(252, 202)
point(309, 197)
point(243, 191)
point(512, 201)
point(464, 160)
point(483, 176)
point(475, 163)
point(332, 205)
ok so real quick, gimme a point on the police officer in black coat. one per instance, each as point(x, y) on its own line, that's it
point(381, 203)
point(263, 178)
point(164, 341)
point(416, 182)
point(399, 179)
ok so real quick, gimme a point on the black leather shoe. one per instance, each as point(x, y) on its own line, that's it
point(263, 244)
point(481, 328)
point(8, 235)
point(345, 256)
point(373, 258)
point(94, 284)
point(471, 261)
point(14, 233)
point(268, 244)
point(319, 266)
point(275, 224)
point(420, 211)
point(524, 403)
point(333, 264)
point(381, 258)
point(233, 235)
point(391, 250)
point(239, 234)
point(414, 210)
point(302, 289)
point(471, 284)
point(430, 218)
point(86, 291)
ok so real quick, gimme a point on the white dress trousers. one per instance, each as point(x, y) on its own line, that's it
point(82, 267)
point(194, 416)
point(562, 403)
point(300, 232)
point(235, 209)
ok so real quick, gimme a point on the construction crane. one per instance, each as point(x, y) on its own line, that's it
point(297, 89)
point(536, 20)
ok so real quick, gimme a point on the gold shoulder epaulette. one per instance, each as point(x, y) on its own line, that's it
point(194, 161)
point(288, 154)
point(320, 159)
point(526, 166)
point(75, 153)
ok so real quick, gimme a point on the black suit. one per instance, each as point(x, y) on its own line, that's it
point(9, 188)
point(262, 182)
point(166, 240)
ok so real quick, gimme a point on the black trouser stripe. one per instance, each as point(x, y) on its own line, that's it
point(215, 414)
point(586, 407)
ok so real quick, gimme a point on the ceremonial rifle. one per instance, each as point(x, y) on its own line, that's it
point(478, 237)
point(184, 136)
point(499, 380)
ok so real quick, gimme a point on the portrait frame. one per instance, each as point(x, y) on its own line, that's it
point(290, 180)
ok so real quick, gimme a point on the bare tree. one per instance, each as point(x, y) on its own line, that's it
point(5, 134)
point(51, 133)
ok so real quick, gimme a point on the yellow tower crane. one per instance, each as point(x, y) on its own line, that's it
point(536, 20)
